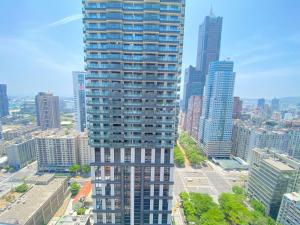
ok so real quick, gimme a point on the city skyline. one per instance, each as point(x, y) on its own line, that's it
point(246, 43)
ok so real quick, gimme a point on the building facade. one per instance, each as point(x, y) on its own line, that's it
point(215, 128)
point(261, 103)
point(79, 100)
point(209, 42)
point(193, 116)
point(237, 108)
point(194, 83)
point(271, 176)
point(133, 62)
point(3, 101)
point(21, 152)
point(289, 212)
point(47, 111)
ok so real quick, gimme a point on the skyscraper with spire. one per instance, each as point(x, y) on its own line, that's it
point(209, 42)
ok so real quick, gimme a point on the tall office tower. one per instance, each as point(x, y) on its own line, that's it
point(3, 101)
point(237, 108)
point(261, 103)
point(209, 42)
point(216, 120)
point(275, 104)
point(193, 115)
point(47, 111)
point(271, 176)
point(133, 63)
point(289, 212)
point(79, 100)
point(194, 83)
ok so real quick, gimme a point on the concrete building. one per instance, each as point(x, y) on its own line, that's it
point(237, 108)
point(193, 116)
point(9, 132)
point(57, 150)
point(3, 101)
point(215, 128)
point(271, 176)
point(79, 100)
point(21, 152)
point(47, 111)
point(209, 42)
point(74, 220)
point(39, 204)
point(133, 70)
point(289, 212)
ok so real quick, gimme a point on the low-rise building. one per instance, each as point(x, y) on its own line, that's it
point(271, 176)
point(38, 205)
point(74, 220)
point(10, 132)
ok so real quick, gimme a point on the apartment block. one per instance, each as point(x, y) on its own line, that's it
point(3, 101)
point(271, 176)
point(193, 116)
point(289, 212)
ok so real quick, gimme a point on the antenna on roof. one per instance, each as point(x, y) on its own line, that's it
point(211, 10)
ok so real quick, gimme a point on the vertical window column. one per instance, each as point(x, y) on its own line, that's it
point(132, 187)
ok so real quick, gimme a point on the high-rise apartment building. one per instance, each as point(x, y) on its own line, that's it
point(237, 108)
point(194, 83)
point(216, 120)
point(79, 100)
point(133, 63)
point(209, 42)
point(193, 116)
point(289, 212)
point(3, 101)
point(271, 176)
point(47, 111)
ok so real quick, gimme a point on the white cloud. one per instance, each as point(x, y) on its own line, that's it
point(65, 20)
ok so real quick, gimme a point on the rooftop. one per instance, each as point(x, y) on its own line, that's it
point(31, 202)
point(73, 220)
point(279, 165)
point(58, 133)
point(293, 196)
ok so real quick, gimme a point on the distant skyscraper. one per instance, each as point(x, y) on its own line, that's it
point(194, 83)
point(209, 42)
point(47, 111)
point(133, 62)
point(3, 100)
point(237, 108)
point(261, 103)
point(79, 100)
point(275, 104)
point(216, 120)
point(193, 115)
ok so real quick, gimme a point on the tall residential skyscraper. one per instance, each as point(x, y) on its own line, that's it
point(216, 120)
point(47, 111)
point(261, 103)
point(194, 83)
point(275, 104)
point(209, 42)
point(133, 63)
point(79, 100)
point(3, 101)
point(289, 212)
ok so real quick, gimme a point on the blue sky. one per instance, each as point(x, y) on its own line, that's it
point(41, 44)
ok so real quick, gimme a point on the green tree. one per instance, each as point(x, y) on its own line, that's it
point(178, 156)
point(74, 188)
point(75, 168)
point(21, 188)
point(257, 206)
point(85, 169)
point(213, 216)
point(80, 211)
point(238, 190)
